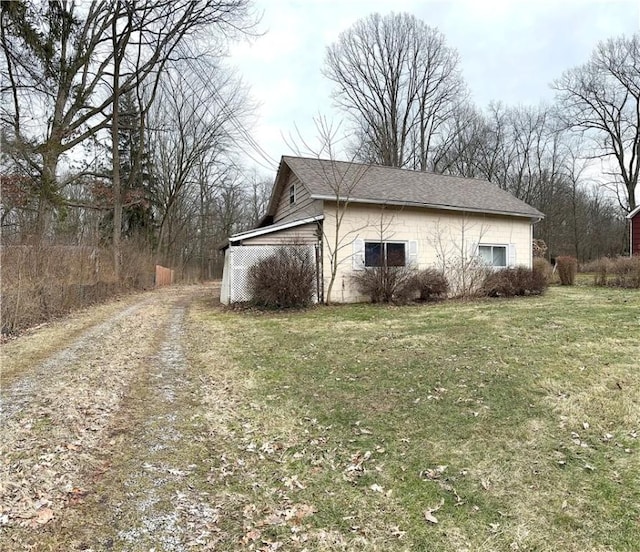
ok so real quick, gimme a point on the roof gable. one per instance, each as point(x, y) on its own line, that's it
point(393, 186)
point(279, 186)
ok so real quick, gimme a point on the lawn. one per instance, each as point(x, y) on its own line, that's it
point(488, 425)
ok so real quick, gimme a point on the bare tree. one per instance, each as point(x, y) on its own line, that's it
point(342, 178)
point(191, 138)
point(399, 81)
point(456, 251)
point(602, 99)
point(59, 60)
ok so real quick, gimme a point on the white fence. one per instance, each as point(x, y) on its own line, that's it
point(238, 260)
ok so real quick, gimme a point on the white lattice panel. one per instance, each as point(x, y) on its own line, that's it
point(238, 261)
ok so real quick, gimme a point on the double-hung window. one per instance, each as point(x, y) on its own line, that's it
point(493, 255)
point(384, 254)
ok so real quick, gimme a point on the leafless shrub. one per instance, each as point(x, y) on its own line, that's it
point(601, 269)
point(430, 284)
point(283, 280)
point(567, 268)
point(621, 272)
point(386, 284)
point(466, 275)
point(456, 257)
point(511, 282)
point(42, 282)
point(543, 267)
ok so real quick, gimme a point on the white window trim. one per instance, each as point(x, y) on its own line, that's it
point(401, 242)
point(358, 251)
point(492, 245)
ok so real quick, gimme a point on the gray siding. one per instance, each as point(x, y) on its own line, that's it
point(303, 207)
point(305, 234)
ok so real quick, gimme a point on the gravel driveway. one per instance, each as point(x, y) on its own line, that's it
point(98, 448)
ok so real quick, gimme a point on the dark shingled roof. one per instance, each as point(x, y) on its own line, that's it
point(393, 186)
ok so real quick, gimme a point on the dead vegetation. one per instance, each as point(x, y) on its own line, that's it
point(40, 283)
point(173, 426)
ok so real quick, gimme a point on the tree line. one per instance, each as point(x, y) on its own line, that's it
point(122, 124)
point(577, 159)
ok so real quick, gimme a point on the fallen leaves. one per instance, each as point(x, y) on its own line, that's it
point(428, 514)
point(42, 517)
point(355, 468)
point(57, 415)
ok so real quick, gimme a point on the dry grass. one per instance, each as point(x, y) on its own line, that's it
point(37, 344)
point(513, 423)
point(40, 283)
point(531, 405)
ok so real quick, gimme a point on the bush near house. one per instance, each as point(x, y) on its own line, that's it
point(511, 282)
point(283, 280)
point(386, 284)
point(430, 284)
point(621, 272)
point(567, 268)
point(544, 268)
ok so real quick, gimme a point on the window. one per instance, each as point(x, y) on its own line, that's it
point(494, 255)
point(292, 194)
point(375, 253)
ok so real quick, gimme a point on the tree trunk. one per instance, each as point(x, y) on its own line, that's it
point(117, 196)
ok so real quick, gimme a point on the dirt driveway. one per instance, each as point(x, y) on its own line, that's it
point(99, 414)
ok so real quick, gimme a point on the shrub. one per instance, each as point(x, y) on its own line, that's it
point(601, 269)
point(283, 280)
point(543, 268)
point(42, 282)
point(430, 284)
point(386, 284)
point(627, 272)
point(511, 282)
point(567, 269)
point(619, 272)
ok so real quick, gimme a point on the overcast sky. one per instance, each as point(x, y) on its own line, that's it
point(510, 51)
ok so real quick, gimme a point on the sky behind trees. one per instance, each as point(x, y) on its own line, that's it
point(510, 51)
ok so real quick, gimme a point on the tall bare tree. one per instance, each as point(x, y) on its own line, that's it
point(342, 178)
point(602, 99)
point(399, 82)
point(191, 137)
point(59, 60)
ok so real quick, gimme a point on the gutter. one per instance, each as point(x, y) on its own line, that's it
point(534, 217)
point(275, 228)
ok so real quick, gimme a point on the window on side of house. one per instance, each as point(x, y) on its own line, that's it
point(493, 255)
point(292, 194)
point(376, 253)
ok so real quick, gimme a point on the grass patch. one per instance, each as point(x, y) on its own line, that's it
point(17, 356)
point(513, 422)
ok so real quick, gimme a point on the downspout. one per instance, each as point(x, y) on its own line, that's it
point(230, 278)
point(320, 265)
point(533, 221)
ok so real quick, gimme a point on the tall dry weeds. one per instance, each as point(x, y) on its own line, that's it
point(41, 282)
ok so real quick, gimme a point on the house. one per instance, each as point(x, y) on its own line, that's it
point(354, 215)
point(634, 231)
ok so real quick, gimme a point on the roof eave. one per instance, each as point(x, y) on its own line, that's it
point(276, 228)
point(634, 212)
point(534, 216)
